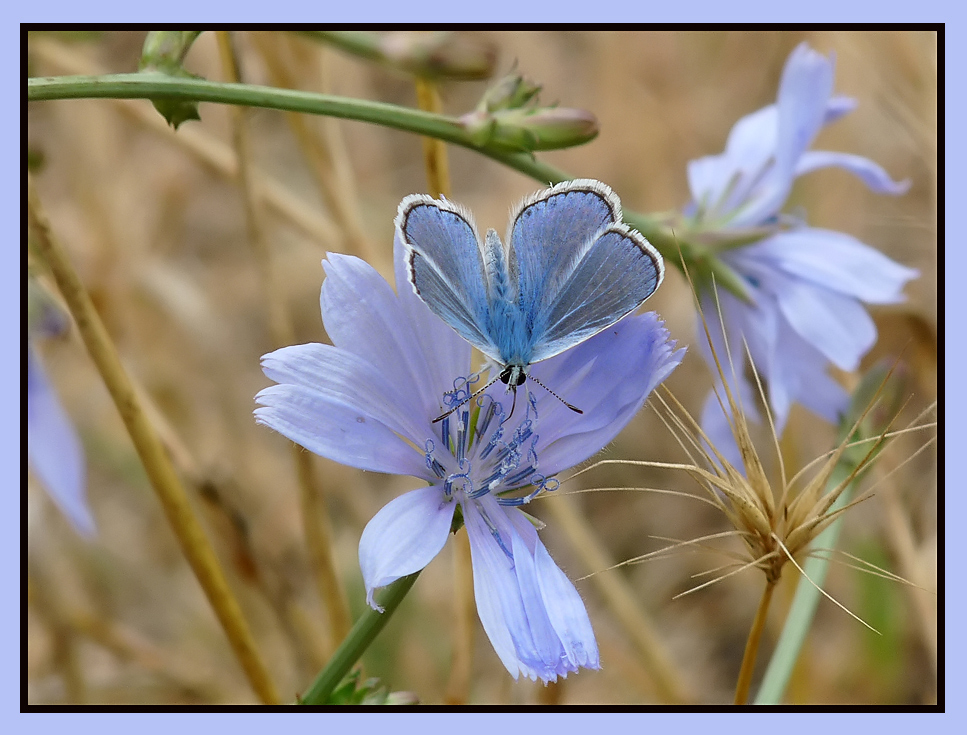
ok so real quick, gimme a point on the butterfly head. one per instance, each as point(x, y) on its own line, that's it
point(513, 375)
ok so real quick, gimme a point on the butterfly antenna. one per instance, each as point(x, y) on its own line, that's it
point(573, 408)
point(465, 400)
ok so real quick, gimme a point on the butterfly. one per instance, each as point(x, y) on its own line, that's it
point(571, 268)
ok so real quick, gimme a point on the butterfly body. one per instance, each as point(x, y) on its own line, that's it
point(570, 268)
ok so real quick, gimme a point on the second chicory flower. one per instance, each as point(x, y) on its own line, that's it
point(806, 285)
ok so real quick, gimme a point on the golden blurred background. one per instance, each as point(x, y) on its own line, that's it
point(155, 223)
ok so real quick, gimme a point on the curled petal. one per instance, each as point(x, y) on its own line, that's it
point(838, 106)
point(870, 173)
point(54, 451)
point(405, 536)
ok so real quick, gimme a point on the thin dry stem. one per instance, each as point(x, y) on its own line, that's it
point(283, 53)
point(318, 531)
point(43, 598)
point(434, 150)
point(314, 519)
point(744, 682)
point(156, 462)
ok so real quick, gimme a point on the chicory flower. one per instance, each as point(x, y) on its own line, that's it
point(369, 401)
point(807, 286)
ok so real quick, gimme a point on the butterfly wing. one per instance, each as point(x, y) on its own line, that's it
point(445, 266)
point(579, 269)
point(616, 274)
point(551, 232)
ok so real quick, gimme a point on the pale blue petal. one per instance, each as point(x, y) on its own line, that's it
point(342, 377)
point(53, 449)
point(363, 315)
point(608, 377)
point(515, 583)
point(405, 536)
point(560, 600)
point(336, 429)
point(804, 91)
point(547, 648)
point(802, 368)
point(836, 325)
point(870, 173)
point(836, 261)
point(723, 182)
point(755, 326)
point(497, 593)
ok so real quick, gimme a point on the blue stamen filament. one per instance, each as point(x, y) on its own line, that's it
point(506, 465)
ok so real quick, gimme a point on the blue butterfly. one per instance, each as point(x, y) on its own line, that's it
point(571, 269)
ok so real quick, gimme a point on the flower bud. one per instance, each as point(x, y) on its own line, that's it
point(510, 92)
point(535, 129)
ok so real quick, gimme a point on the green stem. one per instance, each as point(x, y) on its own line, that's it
point(153, 85)
point(358, 640)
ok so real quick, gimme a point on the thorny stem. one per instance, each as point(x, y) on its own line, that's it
point(744, 682)
point(157, 464)
point(152, 85)
point(207, 149)
point(314, 522)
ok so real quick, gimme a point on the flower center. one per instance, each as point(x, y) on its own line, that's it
point(479, 451)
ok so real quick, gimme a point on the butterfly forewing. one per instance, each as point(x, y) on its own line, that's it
point(618, 272)
point(445, 266)
point(550, 234)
